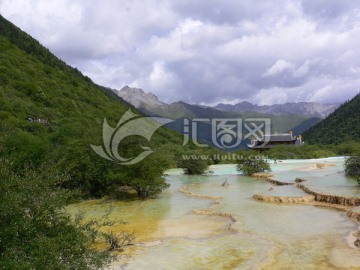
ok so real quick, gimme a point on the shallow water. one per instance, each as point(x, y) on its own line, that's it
point(264, 236)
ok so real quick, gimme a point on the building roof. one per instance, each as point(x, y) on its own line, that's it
point(286, 137)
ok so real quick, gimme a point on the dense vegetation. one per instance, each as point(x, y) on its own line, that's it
point(311, 151)
point(352, 167)
point(251, 164)
point(341, 126)
point(194, 162)
point(35, 233)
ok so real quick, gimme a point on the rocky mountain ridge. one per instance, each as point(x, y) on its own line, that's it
point(311, 109)
point(150, 103)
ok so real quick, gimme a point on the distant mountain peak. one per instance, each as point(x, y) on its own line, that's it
point(127, 88)
point(138, 97)
point(310, 109)
point(150, 103)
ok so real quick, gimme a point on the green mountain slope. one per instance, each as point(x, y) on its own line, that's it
point(34, 83)
point(70, 108)
point(340, 126)
point(305, 125)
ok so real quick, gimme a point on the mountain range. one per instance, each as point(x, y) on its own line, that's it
point(297, 117)
point(150, 103)
point(311, 109)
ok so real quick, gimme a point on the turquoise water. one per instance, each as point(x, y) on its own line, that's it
point(330, 180)
point(264, 236)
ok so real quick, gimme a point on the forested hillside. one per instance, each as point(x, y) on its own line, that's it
point(50, 111)
point(340, 126)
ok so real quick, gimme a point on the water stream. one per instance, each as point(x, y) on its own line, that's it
point(235, 231)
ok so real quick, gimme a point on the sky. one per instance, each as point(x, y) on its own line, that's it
point(205, 51)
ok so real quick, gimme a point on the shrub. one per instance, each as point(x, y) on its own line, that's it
point(352, 167)
point(248, 166)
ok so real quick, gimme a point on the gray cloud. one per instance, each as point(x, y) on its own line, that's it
point(205, 51)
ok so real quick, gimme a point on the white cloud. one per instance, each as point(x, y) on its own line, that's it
point(202, 51)
point(278, 67)
point(160, 77)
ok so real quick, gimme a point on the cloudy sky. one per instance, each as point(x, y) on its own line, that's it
point(205, 51)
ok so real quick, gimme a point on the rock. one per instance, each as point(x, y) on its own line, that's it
point(322, 165)
point(284, 199)
point(355, 215)
point(277, 182)
point(214, 213)
point(357, 243)
point(329, 198)
point(262, 175)
point(191, 194)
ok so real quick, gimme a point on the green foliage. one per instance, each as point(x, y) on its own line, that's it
point(27, 148)
point(88, 173)
point(193, 162)
point(196, 166)
point(313, 151)
point(300, 152)
point(341, 126)
point(352, 167)
point(35, 231)
point(146, 178)
point(347, 148)
point(252, 164)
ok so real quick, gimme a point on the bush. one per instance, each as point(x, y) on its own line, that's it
point(146, 177)
point(248, 166)
point(193, 163)
point(34, 228)
point(352, 167)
